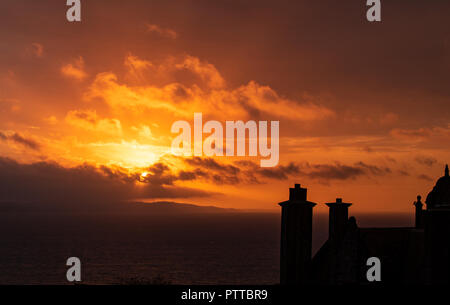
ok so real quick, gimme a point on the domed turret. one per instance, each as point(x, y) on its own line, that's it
point(439, 197)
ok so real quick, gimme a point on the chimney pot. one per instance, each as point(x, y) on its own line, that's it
point(297, 193)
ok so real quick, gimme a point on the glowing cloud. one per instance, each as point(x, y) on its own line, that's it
point(75, 69)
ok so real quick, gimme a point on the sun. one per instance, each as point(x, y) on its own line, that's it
point(144, 174)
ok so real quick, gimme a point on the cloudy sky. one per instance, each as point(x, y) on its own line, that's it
point(86, 108)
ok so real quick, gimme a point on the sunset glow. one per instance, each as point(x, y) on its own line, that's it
point(103, 96)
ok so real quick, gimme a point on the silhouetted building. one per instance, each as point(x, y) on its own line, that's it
point(411, 255)
point(437, 231)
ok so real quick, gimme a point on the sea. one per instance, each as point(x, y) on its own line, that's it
point(144, 248)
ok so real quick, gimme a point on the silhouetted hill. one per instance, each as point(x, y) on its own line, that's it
point(176, 207)
point(156, 207)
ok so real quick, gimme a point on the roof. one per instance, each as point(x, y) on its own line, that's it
point(401, 250)
point(440, 194)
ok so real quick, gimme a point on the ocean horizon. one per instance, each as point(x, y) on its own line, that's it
point(145, 248)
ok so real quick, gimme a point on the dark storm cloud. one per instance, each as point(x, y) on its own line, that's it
point(159, 174)
point(210, 163)
point(345, 172)
point(17, 138)
point(280, 172)
point(211, 170)
point(225, 179)
point(250, 172)
point(335, 172)
point(51, 182)
point(373, 169)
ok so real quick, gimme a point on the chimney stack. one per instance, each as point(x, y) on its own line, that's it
point(296, 237)
point(337, 220)
point(337, 224)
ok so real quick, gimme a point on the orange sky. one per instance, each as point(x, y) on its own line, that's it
point(86, 108)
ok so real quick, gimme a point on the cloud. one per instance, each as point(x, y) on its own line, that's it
point(403, 173)
point(165, 32)
point(335, 172)
point(9, 106)
point(422, 134)
point(425, 160)
point(388, 118)
point(186, 70)
point(144, 132)
point(206, 71)
point(75, 69)
point(280, 172)
point(244, 171)
point(411, 134)
point(373, 169)
point(52, 120)
point(37, 49)
point(183, 86)
point(210, 169)
point(210, 163)
point(19, 139)
point(89, 120)
point(159, 174)
point(50, 182)
point(425, 177)
point(136, 67)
